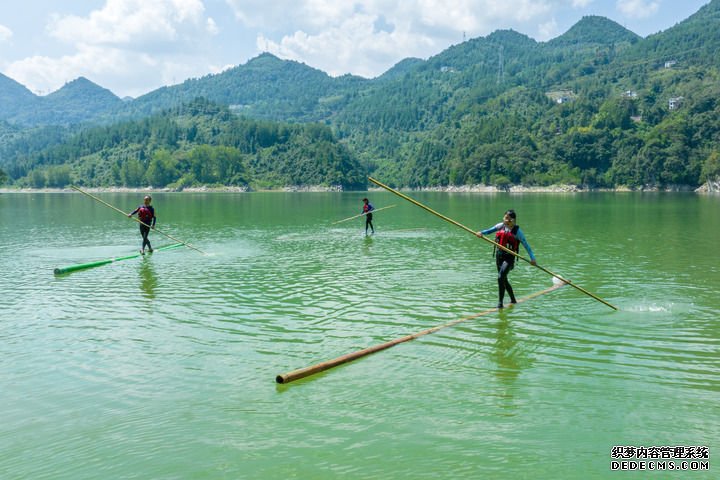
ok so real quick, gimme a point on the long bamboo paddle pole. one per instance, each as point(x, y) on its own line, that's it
point(83, 266)
point(457, 224)
point(136, 219)
point(320, 367)
point(364, 213)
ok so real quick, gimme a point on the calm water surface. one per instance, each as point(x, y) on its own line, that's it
point(163, 367)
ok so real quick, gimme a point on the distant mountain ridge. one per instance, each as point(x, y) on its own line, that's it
point(597, 105)
point(595, 30)
point(264, 87)
point(271, 88)
point(75, 102)
point(14, 97)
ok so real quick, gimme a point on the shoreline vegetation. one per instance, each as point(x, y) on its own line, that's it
point(707, 187)
point(599, 108)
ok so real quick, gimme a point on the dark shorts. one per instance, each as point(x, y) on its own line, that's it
point(501, 257)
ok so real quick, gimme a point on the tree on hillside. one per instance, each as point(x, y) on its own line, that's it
point(131, 173)
point(162, 169)
point(711, 168)
point(58, 176)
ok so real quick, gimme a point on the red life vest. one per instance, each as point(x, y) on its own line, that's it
point(507, 238)
point(146, 214)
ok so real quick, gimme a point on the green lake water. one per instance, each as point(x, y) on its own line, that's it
point(164, 367)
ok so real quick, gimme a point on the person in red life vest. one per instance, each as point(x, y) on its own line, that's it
point(509, 235)
point(367, 210)
point(146, 214)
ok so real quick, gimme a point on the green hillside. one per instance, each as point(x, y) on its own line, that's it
point(487, 111)
point(265, 87)
point(199, 143)
point(597, 106)
point(14, 98)
point(77, 102)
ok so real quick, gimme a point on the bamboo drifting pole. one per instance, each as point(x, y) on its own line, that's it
point(320, 367)
point(136, 219)
point(364, 213)
point(83, 266)
point(458, 224)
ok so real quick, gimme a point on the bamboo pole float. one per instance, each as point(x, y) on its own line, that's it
point(364, 213)
point(83, 266)
point(136, 219)
point(320, 367)
point(457, 224)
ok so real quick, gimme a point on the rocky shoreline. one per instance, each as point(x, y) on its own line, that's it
point(224, 189)
point(708, 187)
point(557, 189)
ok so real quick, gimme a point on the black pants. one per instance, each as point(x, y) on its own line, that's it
point(368, 222)
point(144, 231)
point(505, 262)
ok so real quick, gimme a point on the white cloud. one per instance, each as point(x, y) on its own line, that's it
point(548, 30)
point(137, 24)
point(211, 27)
point(123, 72)
point(45, 74)
point(352, 46)
point(264, 13)
point(637, 8)
point(5, 33)
point(457, 15)
point(128, 46)
point(367, 37)
point(133, 46)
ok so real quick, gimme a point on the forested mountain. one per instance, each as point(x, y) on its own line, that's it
point(693, 41)
point(196, 143)
point(14, 98)
point(76, 102)
point(401, 68)
point(593, 31)
point(265, 87)
point(598, 105)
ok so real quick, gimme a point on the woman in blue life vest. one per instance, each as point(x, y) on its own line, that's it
point(509, 235)
point(146, 214)
point(367, 210)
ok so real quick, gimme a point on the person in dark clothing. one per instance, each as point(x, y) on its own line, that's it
point(509, 235)
point(367, 210)
point(146, 214)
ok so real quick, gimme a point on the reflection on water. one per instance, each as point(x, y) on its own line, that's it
point(506, 355)
point(367, 243)
point(148, 278)
point(505, 352)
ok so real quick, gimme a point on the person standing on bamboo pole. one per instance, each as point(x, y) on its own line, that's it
point(146, 214)
point(367, 210)
point(509, 235)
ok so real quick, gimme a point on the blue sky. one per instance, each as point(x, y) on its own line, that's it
point(135, 46)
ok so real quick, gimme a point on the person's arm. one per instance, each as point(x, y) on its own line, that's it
point(133, 212)
point(523, 240)
point(492, 229)
point(153, 219)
